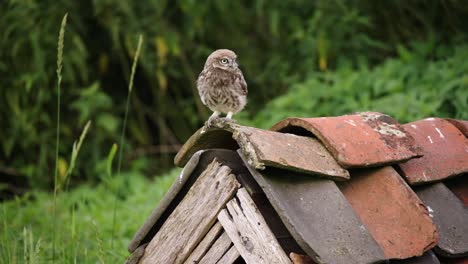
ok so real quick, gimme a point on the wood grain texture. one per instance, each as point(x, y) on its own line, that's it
point(205, 244)
point(217, 250)
point(193, 217)
point(249, 232)
point(230, 256)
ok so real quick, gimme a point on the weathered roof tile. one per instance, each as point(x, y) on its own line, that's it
point(286, 151)
point(445, 151)
point(366, 139)
point(391, 211)
point(462, 125)
point(265, 148)
point(450, 217)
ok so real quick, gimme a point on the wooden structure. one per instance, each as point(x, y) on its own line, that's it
point(248, 195)
point(215, 218)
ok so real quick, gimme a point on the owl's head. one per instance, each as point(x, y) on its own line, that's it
point(223, 59)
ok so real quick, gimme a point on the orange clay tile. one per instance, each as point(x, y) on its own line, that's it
point(391, 211)
point(445, 151)
point(366, 139)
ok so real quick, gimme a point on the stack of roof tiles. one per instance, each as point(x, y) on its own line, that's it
point(359, 188)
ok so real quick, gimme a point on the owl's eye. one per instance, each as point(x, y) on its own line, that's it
point(224, 61)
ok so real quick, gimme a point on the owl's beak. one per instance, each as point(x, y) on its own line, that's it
point(236, 65)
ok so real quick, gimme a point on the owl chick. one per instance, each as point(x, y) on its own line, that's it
point(221, 85)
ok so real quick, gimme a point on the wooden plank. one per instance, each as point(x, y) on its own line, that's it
point(231, 255)
point(165, 203)
point(192, 170)
point(249, 232)
point(136, 255)
point(219, 248)
point(192, 218)
point(205, 244)
point(285, 239)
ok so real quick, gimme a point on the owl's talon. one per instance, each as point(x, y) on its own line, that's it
point(229, 120)
point(211, 121)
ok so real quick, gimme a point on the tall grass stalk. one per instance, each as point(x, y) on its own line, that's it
point(122, 135)
point(6, 240)
point(75, 150)
point(101, 253)
point(59, 81)
point(31, 250)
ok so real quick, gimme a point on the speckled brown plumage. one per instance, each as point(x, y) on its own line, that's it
point(221, 85)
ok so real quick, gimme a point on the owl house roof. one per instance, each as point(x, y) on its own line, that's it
point(358, 188)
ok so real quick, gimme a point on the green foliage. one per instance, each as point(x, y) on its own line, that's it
point(279, 43)
point(83, 228)
point(420, 83)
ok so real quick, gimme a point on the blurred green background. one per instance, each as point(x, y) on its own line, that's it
point(300, 58)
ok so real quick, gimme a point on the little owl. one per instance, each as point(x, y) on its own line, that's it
point(221, 85)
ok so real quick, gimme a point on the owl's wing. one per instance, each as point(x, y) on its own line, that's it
point(243, 84)
point(201, 78)
point(199, 83)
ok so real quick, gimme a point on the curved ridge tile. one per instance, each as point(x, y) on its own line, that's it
point(367, 139)
point(445, 151)
point(462, 125)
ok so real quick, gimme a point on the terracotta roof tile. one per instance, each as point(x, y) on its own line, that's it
point(391, 211)
point(462, 125)
point(445, 151)
point(366, 139)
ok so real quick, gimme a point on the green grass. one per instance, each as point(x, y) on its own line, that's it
point(84, 216)
point(73, 227)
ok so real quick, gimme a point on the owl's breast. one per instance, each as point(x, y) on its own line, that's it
point(221, 92)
